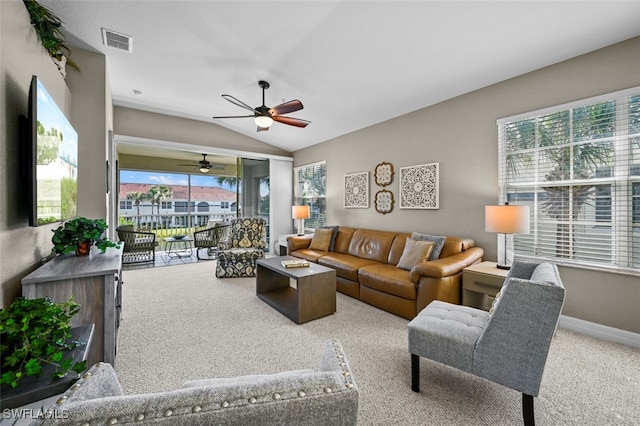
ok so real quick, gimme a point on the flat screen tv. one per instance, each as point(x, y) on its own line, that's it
point(52, 160)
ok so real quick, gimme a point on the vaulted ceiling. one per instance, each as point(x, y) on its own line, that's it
point(351, 63)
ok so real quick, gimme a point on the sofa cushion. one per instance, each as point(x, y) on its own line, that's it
point(372, 245)
point(321, 240)
point(388, 279)
point(437, 239)
point(346, 266)
point(334, 234)
point(415, 252)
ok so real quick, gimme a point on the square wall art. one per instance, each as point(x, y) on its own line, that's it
point(419, 187)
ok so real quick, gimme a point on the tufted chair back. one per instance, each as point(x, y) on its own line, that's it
point(327, 395)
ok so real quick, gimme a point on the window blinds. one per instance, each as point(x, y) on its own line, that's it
point(577, 167)
point(310, 185)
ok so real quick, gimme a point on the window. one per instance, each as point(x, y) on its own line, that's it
point(577, 167)
point(126, 204)
point(166, 205)
point(309, 188)
point(224, 204)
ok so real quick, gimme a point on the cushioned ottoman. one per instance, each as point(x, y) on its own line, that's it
point(237, 263)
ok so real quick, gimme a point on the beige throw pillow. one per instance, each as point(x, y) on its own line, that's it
point(321, 239)
point(415, 252)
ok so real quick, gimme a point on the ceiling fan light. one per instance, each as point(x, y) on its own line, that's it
point(263, 121)
point(204, 169)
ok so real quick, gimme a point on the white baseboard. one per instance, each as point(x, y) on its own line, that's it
point(600, 331)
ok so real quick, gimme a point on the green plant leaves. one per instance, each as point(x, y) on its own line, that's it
point(35, 332)
point(78, 230)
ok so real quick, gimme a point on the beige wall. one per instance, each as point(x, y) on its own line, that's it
point(21, 246)
point(461, 135)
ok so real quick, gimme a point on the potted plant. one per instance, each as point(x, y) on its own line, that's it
point(47, 26)
point(36, 333)
point(79, 234)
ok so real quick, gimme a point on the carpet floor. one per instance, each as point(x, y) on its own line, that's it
point(181, 323)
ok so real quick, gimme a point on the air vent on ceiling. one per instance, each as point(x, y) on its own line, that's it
point(117, 40)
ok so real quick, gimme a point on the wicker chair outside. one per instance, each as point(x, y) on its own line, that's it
point(139, 246)
point(211, 239)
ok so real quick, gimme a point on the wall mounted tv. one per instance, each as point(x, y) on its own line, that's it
point(52, 163)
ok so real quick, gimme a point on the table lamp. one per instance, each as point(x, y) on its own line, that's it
point(506, 220)
point(300, 213)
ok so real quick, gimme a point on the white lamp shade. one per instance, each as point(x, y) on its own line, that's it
point(263, 121)
point(506, 219)
point(300, 212)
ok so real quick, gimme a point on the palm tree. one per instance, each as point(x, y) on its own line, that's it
point(137, 198)
point(570, 162)
point(156, 194)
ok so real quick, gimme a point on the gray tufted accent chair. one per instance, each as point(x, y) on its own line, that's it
point(507, 345)
point(326, 396)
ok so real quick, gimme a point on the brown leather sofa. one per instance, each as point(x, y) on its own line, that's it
point(365, 262)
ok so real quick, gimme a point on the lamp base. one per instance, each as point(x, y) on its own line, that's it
point(506, 267)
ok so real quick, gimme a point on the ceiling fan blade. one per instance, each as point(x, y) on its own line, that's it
point(236, 116)
point(291, 121)
point(238, 102)
point(287, 107)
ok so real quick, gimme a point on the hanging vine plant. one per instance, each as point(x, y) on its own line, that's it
point(48, 27)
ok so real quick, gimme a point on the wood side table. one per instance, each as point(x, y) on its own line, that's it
point(480, 284)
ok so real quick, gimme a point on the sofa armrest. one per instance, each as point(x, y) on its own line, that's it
point(296, 243)
point(447, 266)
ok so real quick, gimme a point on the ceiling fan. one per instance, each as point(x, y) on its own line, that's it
point(264, 116)
point(205, 165)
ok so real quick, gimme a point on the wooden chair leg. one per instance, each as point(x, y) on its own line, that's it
point(415, 373)
point(527, 410)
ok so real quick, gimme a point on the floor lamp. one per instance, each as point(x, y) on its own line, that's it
point(506, 220)
point(300, 213)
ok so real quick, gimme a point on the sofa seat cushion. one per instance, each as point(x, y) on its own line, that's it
point(308, 254)
point(388, 279)
point(346, 266)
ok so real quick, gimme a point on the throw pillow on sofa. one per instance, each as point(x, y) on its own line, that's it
point(334, 234)
point(437, 239)
point(415, 252)
point(321, 239)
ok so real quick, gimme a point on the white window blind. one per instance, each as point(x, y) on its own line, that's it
point(309, 189)
point(577, 167)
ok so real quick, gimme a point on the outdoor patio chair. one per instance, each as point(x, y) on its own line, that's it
point(139, 246)
point(210, 239)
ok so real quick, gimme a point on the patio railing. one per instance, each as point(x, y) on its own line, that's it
point(169, 225)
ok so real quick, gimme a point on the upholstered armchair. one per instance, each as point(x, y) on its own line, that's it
point(246, 244)
point(139, 246)
point(507, 345)
point(327, 395)
point(210, 239)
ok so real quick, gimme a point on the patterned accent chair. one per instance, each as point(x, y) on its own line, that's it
point(247, 241)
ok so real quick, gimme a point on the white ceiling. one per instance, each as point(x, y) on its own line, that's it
point(351, 63)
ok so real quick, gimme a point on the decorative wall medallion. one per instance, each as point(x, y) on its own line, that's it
point(384, 174)
point(419, 187)
point(384, 201)
point(356, 190)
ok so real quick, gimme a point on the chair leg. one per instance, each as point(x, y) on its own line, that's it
point(527, 410)
point(415, 373)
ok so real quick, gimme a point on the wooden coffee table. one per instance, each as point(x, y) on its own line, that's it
point(301, 294)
